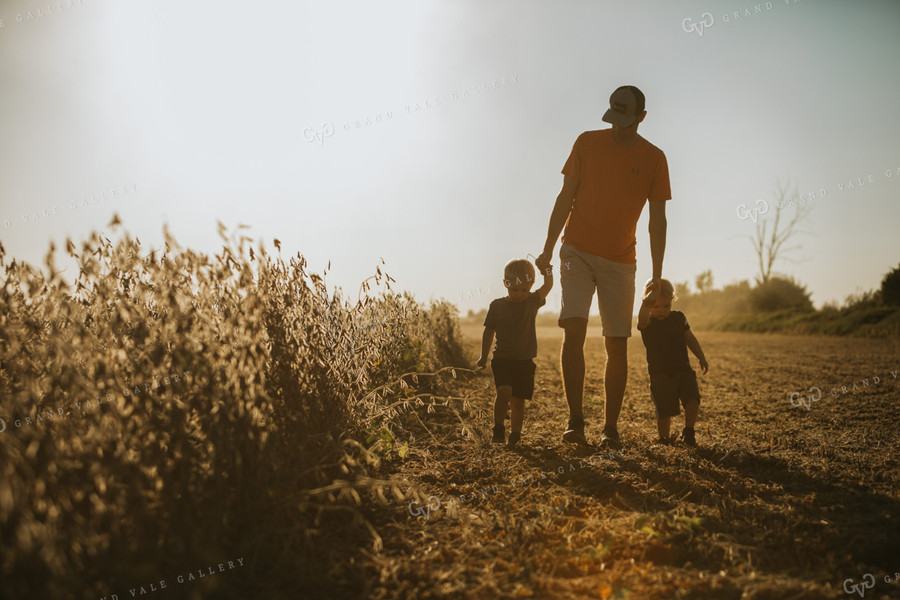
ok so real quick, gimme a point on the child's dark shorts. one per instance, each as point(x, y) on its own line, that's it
point(666, 389)
point(518, 373)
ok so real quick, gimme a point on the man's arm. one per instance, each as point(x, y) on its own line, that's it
point(657, 236)
point(558, 217)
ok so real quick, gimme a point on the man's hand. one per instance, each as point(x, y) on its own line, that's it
point(543, 261)
point(651, 290)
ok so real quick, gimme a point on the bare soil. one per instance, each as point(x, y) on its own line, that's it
point(779, 500)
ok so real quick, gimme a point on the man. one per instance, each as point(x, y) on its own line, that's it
point(608, 177)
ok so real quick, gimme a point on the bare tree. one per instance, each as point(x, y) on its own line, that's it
point(770, 245)
point(704, 281)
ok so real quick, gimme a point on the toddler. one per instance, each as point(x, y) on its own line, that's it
point(512, 319)
point(667, 336)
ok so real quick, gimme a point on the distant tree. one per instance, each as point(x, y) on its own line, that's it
point(863, 300)
point(890, 287)
point(770, 245)
point(682, 290)
point(704, 281)
point(779, 292)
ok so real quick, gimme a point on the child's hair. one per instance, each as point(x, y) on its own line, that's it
point(666, 289)
point(518, 271)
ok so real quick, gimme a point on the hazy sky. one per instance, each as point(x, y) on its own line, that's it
point(246, 112)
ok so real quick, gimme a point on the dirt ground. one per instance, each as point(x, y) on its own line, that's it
point(786, 496)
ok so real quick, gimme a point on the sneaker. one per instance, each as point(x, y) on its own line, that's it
point(610, 439)
point(687, 436)
point(514, 438)
point(666, 441)
point(499, 435)
point(575, 432)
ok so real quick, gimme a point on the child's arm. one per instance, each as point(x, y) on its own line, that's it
point(650, 295)
point(548, 283)
point(486, 340)
point(694, 345)
point(644, 313)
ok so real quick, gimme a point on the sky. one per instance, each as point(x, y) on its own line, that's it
point(431, 134)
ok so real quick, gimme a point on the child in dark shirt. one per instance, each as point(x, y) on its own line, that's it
point(512, 319)
point(667, 336)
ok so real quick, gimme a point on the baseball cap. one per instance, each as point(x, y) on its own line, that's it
point(625, 105)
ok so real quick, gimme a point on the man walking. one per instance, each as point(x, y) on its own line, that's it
point(608, 177)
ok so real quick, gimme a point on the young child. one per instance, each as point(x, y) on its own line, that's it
point(667, 336)
point(512, 319)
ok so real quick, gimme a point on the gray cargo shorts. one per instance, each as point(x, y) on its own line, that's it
point(581, 273)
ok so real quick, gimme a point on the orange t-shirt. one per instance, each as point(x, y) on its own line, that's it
point(614, 182)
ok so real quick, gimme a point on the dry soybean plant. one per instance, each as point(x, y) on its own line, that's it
point(176, 409)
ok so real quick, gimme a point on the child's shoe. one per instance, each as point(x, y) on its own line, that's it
point(499, 435)
point(514, 438)
point(688, 437)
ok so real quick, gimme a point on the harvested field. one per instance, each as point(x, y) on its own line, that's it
point(779, 501)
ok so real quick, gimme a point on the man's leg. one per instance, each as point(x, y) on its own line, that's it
point(572, 362)
point(615, 295)
point(616, 378)
point(578, 285)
